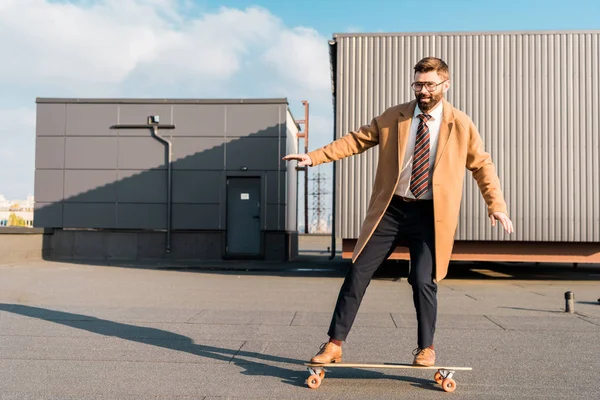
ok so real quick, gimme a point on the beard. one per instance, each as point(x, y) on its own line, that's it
point(428, 101)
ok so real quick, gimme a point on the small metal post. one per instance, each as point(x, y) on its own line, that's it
point(569, 302)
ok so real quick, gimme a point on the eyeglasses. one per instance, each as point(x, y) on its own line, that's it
point(430, 86)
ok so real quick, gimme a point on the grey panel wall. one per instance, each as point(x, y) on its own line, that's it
point(91, 176)
point(534, 97)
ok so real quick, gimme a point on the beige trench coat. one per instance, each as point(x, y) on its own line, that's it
point(459, 146)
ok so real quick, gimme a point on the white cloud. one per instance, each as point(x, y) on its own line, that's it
point(68, 44)
point(113, 40)
point(152, 48)
point(302, 55)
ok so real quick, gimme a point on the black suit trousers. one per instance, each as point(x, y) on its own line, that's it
point(404, 223)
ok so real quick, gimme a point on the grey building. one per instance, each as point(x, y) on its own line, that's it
point(534, 97)
point(166, 178)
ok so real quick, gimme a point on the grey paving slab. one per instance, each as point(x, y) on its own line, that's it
point(595, 321)
point(139, 314)
point(276, 353)
point(64, 396)
point(87, 328)
point(369, 319)
point(124, 379)
point(25, 326)
point(117, 349)
point(296, 334)
point(125, 314)
point(453, 303)
point(452, 321)
point(11, 324)
point(570, 323)
point(237, 398)
point(235, 317)
point(313, 336)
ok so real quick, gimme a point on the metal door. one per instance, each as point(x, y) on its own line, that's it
point(243, 217)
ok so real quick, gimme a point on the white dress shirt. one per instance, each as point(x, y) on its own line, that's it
point(434, 123)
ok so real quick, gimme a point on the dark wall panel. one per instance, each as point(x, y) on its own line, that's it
point(47, 214)
point(141, 216)
point(142, 186)
point(197, 186)
point(90, 186)
point(275, 187)
point(50, 119)
point(91, 153)
point(197, 216)
point(283, 165)
point(91, 119)
point(49, 184)
point(256, 153)
point(194, 120)
point(141, 153)
point(198, 153)
point(89, 215)
point(49, 152)
point(254, 119)
point(275, 217)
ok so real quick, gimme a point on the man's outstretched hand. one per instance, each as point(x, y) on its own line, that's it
point(504, 220)
point(303, 159)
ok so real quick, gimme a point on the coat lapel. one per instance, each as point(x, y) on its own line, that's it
point(445, 130)
point(404, 122)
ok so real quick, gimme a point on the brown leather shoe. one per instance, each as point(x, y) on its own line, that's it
point(329, 353)
point(424, 357)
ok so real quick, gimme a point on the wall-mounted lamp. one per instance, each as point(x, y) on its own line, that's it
point(244, 168)
point(153, 119)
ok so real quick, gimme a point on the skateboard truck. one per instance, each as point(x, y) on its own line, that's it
point(444, 373)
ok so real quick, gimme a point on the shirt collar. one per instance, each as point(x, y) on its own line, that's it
point(436, 113)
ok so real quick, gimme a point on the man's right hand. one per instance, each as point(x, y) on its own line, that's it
point(303, 159)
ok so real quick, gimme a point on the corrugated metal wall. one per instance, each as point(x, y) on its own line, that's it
point(534, 97)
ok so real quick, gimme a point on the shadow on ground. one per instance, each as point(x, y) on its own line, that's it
point(251, 362)
point(396, 270)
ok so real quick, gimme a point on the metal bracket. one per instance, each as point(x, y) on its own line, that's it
point(446, 373)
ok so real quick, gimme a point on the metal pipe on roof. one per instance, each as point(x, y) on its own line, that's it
point(169, 183)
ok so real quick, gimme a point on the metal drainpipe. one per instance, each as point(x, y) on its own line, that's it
point(169, 184)
point(153, 124)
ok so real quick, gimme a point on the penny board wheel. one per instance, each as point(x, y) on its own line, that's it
point(438, 377)
point(314, 381)
point(448, 385)
point(322, 374)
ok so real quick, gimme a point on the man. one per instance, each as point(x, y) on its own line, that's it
point(425, 145)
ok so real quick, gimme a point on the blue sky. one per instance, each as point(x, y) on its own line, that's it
point(205, 48)
point(330, 16)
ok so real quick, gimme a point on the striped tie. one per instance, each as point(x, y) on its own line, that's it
point(419, 177)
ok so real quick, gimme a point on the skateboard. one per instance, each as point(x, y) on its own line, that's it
point(443, 375)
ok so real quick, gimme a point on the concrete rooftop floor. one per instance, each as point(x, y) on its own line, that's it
point(225, 331)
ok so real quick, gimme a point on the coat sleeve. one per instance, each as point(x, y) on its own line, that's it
point(354, 142)
point(479, 162)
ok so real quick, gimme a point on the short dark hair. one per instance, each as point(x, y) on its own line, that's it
point(428, 64)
